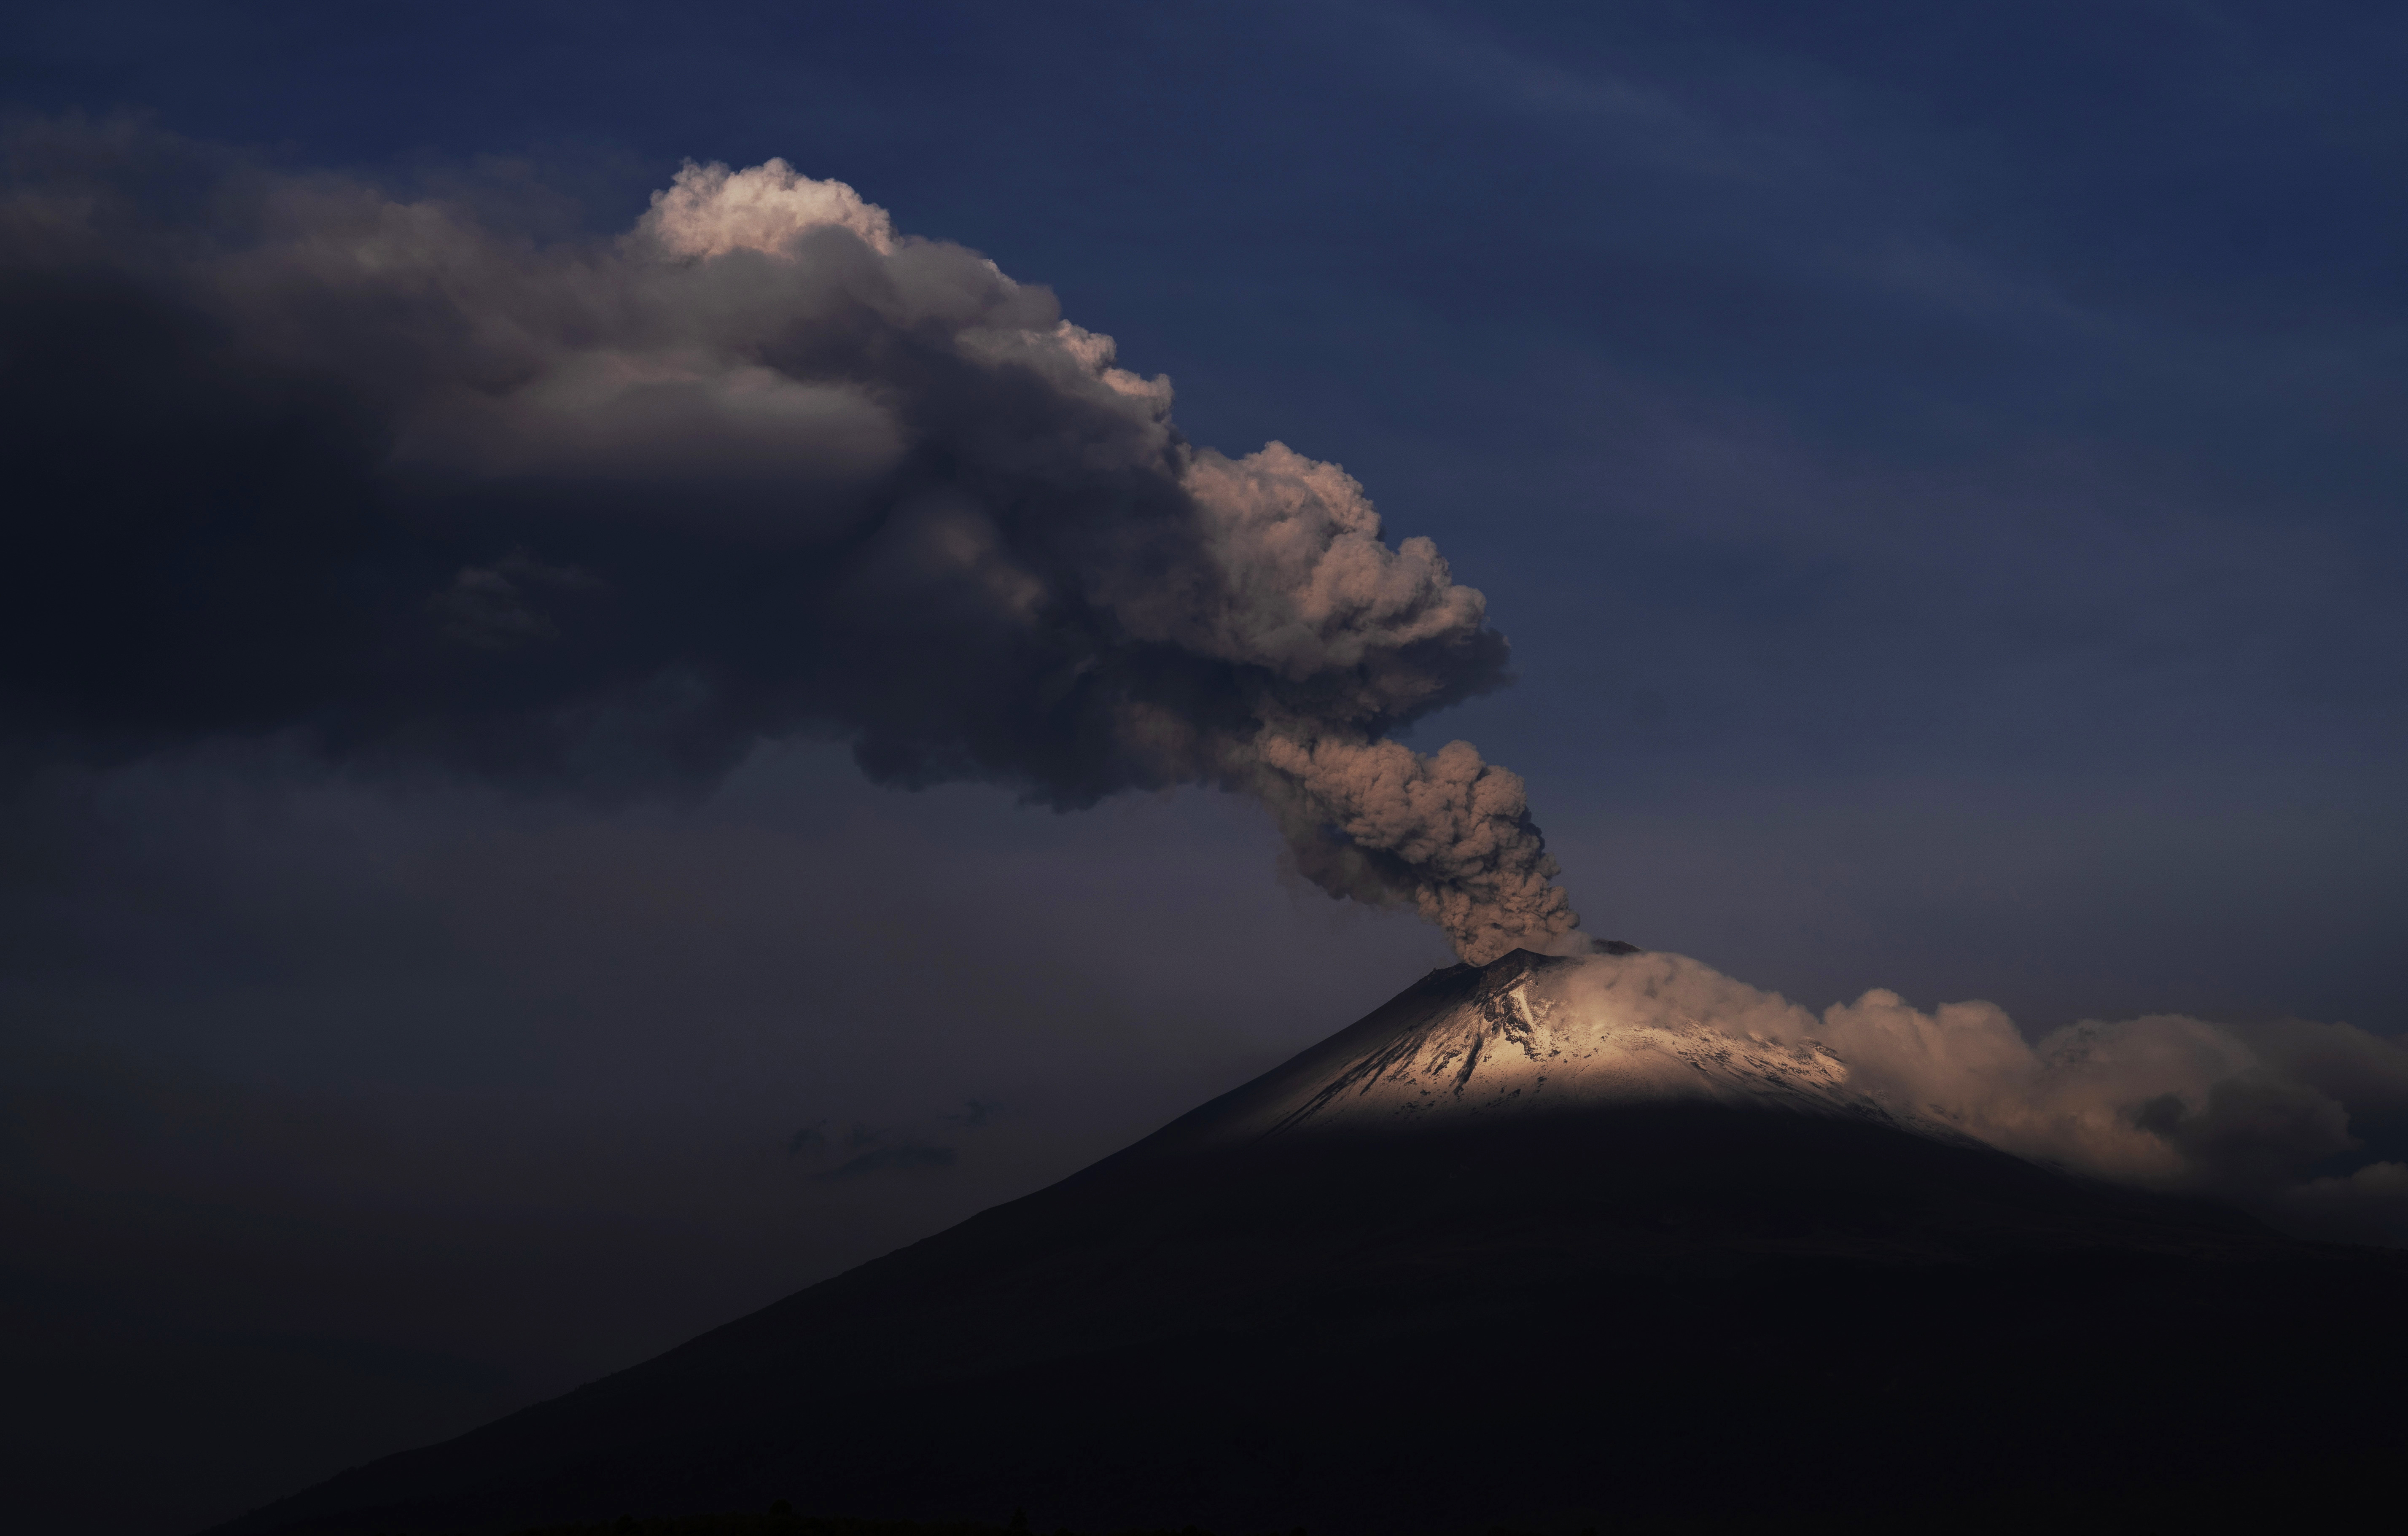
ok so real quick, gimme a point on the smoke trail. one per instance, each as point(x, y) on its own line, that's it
point(1449, 833)
point(297, 457)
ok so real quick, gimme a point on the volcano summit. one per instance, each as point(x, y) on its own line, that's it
point(1537, 1241)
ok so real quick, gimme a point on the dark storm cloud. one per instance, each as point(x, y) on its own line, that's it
point(292, 455)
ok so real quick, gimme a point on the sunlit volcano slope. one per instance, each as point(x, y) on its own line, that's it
point(1504, 1251)
point(1528, 1035)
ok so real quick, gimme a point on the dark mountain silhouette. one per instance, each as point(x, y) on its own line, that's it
point(1462, 1264)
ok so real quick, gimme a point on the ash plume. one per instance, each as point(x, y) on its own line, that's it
point(2268, 1115)
point(295, 456)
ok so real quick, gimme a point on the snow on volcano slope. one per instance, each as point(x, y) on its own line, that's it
point(1531, 1034)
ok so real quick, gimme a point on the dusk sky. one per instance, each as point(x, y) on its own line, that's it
point(1940, 471)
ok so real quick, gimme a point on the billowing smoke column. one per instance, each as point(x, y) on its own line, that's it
point(294, 456)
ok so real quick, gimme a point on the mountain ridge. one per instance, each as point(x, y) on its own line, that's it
point(1245, 1320)
point(1491, 1040)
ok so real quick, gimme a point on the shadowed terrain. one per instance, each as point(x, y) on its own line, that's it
point(1616, 1310)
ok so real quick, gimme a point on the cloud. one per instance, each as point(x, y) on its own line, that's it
point(812, 1139)
point(869, 1149)
point(975, 1113)
point(2370, 1205)
point(2162, 1102)
point(603, 514)
point(874, 1151)
point(907, 1157)
point(708, 210)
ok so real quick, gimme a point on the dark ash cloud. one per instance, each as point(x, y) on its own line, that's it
point(293, 456)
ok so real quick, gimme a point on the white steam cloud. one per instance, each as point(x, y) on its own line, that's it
point(2249, 1113)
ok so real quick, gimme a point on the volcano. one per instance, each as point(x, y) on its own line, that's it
point(1496, 1255)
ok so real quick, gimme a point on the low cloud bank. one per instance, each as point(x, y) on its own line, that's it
point(2265, 1114)
point(300, 457)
